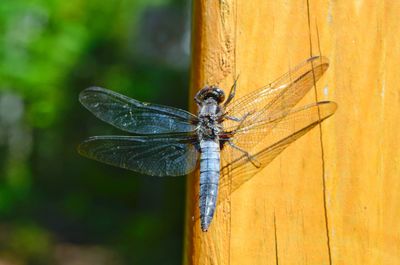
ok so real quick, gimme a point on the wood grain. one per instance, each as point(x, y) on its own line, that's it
point(335, 202)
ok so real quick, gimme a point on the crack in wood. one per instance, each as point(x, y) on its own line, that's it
point(320, 140)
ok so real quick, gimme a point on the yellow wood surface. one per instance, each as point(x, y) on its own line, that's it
point(279, 217)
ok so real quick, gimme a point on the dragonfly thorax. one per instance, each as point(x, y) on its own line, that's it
point(208, 128)
point(209, 116)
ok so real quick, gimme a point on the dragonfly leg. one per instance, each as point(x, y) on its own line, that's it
point(231, 93)
point(241, 120)
point(233, 118)
point(251, 158)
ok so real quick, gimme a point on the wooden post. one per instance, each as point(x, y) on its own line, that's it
point(334, 201)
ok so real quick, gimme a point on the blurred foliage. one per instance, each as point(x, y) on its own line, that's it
point(57, 207)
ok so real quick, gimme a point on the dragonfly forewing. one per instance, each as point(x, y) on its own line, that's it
point(133, 116)
point(279, 96)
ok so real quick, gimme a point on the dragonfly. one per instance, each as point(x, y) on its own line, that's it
point(229, 139)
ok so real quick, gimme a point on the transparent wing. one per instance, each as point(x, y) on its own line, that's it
point(281, 131)
point(279, 96)
point(155, 155)
point(134, 116)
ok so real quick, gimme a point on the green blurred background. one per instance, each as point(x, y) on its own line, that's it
point(55, 206)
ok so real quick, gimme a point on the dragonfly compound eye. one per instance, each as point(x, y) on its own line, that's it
point(211, 92)
point(218, 94)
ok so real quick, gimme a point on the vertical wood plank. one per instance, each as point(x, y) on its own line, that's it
point(284, 215)
point(213, 63)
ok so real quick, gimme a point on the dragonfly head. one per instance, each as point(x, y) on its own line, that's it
point(210, 92)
